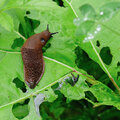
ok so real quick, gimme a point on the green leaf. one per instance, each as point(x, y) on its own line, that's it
point(5, 43)
point(2, 2)
point(6, 113)
point(20, 111)
point(2, 55)
point(32, 113)
point(6, 21)
point(49, 95)
point(60, 56)
point(40, 5)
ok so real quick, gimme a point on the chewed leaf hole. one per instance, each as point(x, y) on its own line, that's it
point(106, 55)
point(46, 47)
point(59, 2)
point(97, 43)
point(20, 84)
point(21, 110)
point(118, 75)
point(46, 89)
point(83, 61)
point(30, 24)
point(90, 96)
point(27, 12)
point(18, 42)
point(118, 64)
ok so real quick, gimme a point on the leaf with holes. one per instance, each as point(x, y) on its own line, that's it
point(105, 95)
point(105, 32)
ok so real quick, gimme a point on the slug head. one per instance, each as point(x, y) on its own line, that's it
point(39, 40)
point(45, 36)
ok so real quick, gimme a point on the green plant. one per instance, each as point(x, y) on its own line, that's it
point(87, 45)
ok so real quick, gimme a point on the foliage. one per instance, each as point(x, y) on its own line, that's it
point(87, 45)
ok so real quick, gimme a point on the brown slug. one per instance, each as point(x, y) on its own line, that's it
point(32, 57)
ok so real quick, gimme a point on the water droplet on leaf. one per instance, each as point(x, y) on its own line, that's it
point(88, 12)
point(101, 13)
point(85, 19)
point(77, 21)
point(108, 10)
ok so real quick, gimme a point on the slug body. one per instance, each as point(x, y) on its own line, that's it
point(33, 58)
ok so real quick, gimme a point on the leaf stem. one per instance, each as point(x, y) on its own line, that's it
point(72, 7)
point(36, 92)
point(109, 75)
point(9, 51)
point(20, 35)
point(90, 101)
point(90, 80)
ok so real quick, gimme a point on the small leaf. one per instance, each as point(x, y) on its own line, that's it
point(32, 113)
point(49, 95)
